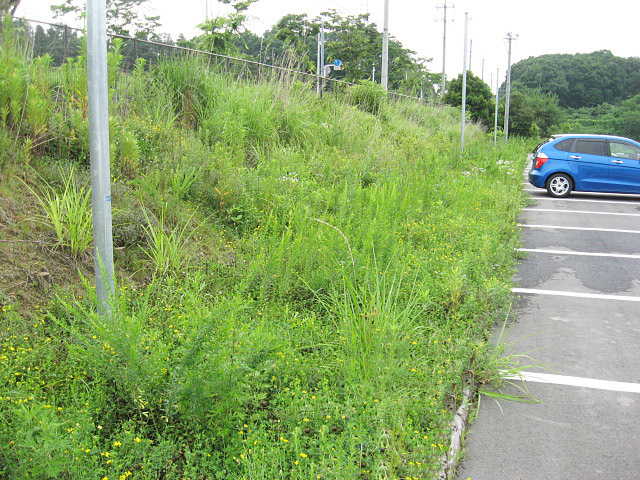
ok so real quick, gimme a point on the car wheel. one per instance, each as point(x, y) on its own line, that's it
point(559, 185)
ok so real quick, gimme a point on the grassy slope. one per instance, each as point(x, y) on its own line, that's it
point(329, 306)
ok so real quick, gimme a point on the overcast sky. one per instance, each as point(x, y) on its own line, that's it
point(543, 26)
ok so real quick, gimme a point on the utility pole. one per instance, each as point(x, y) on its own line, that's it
point(320, 62)
point(495, 121)
point(510, 38)
point(373, 72)
point(443, 82)
point(385, 48)
point(318, 65)
point(99, 152)
point(464, 83)
point(322, 45)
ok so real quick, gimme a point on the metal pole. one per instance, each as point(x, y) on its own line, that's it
point(318, 65)
point(99, 150)
point(66, 43)
point(464, 83)
point(385, 48)
point(495, 122)
point(322, 46)
point(443, 81)
point(510, 38)
point(373, 73)
point(322, 58)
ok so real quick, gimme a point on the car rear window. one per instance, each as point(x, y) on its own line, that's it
point(535, 150)
point(590, 147)
point(565, 145)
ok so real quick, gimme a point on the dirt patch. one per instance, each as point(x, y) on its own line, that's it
point(30, 265)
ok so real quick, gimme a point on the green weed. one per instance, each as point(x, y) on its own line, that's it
point(67, 213)
point(169, 251)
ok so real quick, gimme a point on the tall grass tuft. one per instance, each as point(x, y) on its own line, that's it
point(67, 213)
point(372, 317)
point(168, 250)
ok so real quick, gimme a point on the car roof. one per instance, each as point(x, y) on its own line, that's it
point(589, 135)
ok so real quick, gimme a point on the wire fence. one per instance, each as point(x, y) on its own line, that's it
point(62, 42)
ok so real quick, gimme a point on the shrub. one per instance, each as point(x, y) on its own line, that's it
point(368, 96)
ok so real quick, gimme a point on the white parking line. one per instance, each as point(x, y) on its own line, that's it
point(576, 382)
point(599, 296)
point(581, 211)
point(585, 254)
point(591, 200)
point(562, 227)
point(594, 194)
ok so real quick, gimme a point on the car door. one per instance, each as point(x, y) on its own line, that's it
point(624, 169)
point(590, 163)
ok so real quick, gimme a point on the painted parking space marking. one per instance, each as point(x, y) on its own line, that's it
point(591, 194)
point(589, 212)
point(589, 200)
point(576, 382)
point(559, 293)
point(584, 254)
point(591, 229)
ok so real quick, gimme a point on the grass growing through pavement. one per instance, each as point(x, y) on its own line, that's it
point(341, 282)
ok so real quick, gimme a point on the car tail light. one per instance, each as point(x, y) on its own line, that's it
point(541, 158)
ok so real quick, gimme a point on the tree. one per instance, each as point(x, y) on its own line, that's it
point(54, 43)
point(480, 102)
point(220, 32)
point(123, 16)
point(8, 6)
point(293, 31)
point(358, 44)
point(626, 121)
point(532, 113)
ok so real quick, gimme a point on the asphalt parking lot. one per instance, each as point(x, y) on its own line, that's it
point(577, 313)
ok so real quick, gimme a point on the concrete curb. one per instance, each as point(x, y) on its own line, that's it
point(458, 426)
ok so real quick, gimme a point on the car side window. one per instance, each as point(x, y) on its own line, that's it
point(591, 147)
point(565, 145)
point(624, 150)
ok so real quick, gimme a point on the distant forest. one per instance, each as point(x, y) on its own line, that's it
point(587, 93)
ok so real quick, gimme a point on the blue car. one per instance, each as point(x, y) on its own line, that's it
point(586, 163)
